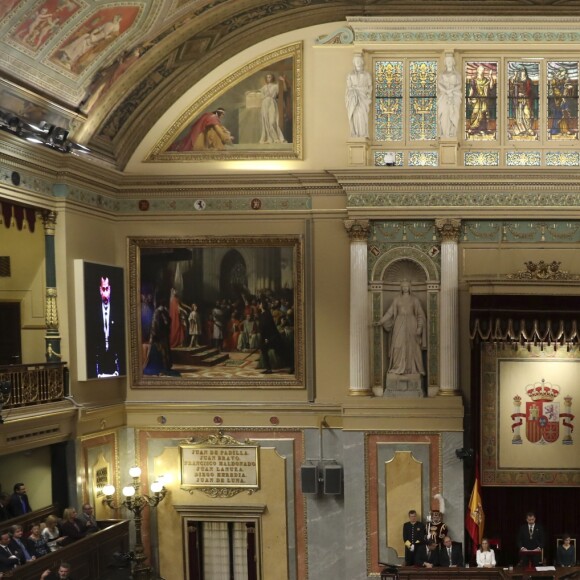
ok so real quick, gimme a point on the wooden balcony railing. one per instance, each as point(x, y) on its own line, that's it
point(23, 385)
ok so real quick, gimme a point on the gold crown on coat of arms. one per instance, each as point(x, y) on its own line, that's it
point(542, 391)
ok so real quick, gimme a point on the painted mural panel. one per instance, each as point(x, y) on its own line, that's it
point(40, 26)
point(480, 101)
point(78, 51)
point(523, 100)
point(253, 113)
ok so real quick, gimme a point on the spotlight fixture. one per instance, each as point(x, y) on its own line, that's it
point(42, 133)
point(57, 136)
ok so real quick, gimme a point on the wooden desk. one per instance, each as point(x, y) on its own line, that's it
point(414, 573)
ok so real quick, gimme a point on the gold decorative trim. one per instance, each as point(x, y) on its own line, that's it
point(359, 392)
point(543, 271)
point(357, 230)
point(159, 152)
point(449, 229)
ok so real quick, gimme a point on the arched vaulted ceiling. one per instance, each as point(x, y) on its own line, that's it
point(111, 68)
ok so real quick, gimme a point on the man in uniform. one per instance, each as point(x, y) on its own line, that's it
point(437, 529)
point(413, 536)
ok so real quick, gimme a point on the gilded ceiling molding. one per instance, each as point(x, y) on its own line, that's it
point(343, 36)
point(465, 29)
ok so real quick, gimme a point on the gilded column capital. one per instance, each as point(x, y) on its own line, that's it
point(357, 230)
point(449, 229)
point(49, 222)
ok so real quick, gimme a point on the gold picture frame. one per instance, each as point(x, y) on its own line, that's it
point(223, 280)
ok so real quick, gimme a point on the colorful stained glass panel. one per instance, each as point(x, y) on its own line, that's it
point(523, 158)
point(423, 158)
point(562, 100)
point(385, 158)
point(523, 100)
point(389, 107)
point(562, 158)
point(480, 101)
point(423, 100)
point(481, 158)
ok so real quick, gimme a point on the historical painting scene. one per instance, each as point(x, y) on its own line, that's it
point(480, 101)
point(218, 312)
point(258, 112)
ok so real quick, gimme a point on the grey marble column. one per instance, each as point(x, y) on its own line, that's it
point(449, 230)
point(358, 231)
point(52, 337)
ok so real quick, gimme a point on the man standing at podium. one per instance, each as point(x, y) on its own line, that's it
point(413, 536)
point(531, 537)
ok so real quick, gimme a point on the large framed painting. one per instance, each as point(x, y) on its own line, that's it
point(254, 113)
point(528, 417)
point(217, 312)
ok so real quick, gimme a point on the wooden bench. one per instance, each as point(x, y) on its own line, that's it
point(90, 557)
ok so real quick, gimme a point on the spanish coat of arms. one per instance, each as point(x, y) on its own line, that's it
point(543, 415)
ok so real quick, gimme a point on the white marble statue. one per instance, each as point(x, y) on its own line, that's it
point(405, 321)
point(449, 96)
point(358, 98)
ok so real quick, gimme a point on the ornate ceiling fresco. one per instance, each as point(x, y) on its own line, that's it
point(102, 69)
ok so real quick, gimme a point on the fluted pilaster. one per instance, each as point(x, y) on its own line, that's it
point(449, 230)
point(358, 231)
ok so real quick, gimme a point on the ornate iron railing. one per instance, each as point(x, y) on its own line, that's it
point(22, 385)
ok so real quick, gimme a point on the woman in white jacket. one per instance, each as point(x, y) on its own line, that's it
point(485, 556)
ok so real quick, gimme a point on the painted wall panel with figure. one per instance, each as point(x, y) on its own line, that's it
point(254, 112)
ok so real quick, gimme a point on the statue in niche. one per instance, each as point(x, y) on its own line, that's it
point(406, 324)
point(358, 98)
point(449, 96)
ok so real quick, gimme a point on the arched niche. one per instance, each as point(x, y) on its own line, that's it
point(421, 270)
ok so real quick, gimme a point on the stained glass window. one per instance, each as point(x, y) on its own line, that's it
point(480, 101)
point(423, 100)
point(562, 100)
point(389, 105)
point(523, 100)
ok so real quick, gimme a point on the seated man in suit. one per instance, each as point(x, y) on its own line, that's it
point(426, 555)
point(8, 559)
point(450, 554)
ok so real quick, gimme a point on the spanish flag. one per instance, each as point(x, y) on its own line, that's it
point(474, 516)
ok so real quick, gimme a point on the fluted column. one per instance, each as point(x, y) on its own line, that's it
point(358, 231)
point(52, 336)
point(449, 230)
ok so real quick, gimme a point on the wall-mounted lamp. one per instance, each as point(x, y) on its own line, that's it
point(136, 502)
